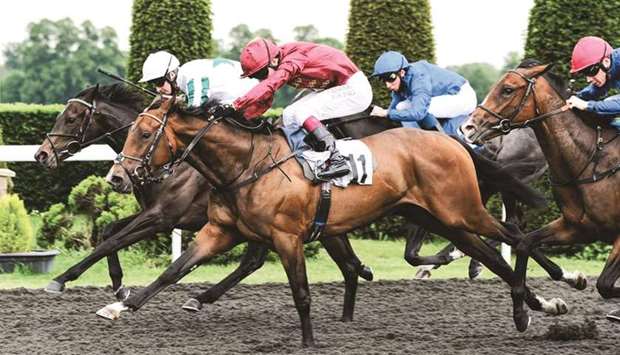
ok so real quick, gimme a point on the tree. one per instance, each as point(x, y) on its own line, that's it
point(57, 60)
point(511, 61)
point(481, 77)
point(181, 27)
point(556, 25)
point(309, 33)
point(376, 26)
point(240, 35)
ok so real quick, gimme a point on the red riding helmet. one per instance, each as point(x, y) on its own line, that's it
point(589, 51)
point(256, 55)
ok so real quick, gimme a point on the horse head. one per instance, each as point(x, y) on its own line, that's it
point(95, 114)
point(516, 101)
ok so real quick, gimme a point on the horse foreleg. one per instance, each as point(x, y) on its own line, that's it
point(114, 266)
point(210, 241)
point(139, 228)
point(253, 260)
point(338, 249)
point(291, 251)
point(610, 274)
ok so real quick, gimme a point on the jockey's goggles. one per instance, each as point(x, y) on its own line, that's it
point(388, 77)
point(158, 82)
point(262, 74)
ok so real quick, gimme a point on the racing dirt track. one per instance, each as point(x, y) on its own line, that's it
point(413, 317)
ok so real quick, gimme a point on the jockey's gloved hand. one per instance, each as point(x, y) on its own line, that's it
point(378, 111)
point(222, 111)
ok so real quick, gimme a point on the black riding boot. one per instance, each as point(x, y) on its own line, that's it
point(337, 165)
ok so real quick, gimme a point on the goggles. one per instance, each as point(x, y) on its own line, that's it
point(388, 77)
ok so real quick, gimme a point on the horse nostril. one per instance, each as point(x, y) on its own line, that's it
point(116, 180)
point(41, 157)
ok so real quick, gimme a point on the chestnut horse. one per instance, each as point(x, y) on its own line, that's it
point(583, 155)
point(104, 114)
point(252, 200)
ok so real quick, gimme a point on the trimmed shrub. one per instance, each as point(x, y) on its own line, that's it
point(376, 26)
point(16, 233)
point(555, 26)
point(95, 198)
point(181, 27)
point(55, 225)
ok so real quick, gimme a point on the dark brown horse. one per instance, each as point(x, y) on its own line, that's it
point(583, 155)
point(103, 115)
point(279, 207)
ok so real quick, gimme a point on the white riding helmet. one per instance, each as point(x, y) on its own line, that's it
point(157, 65)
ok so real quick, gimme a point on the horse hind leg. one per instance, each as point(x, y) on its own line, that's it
point(253, 259)
point(610, 274)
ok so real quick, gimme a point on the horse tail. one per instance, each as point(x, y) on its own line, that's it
point(494, 177)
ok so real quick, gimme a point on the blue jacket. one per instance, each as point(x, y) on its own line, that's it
point(423, 81)
point(610, 106)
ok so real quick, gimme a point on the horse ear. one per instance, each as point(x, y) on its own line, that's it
point(96, 91)
point(548, 68)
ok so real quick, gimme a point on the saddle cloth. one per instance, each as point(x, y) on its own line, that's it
point(358, 155)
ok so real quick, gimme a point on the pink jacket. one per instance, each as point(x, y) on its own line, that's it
point(302, 65)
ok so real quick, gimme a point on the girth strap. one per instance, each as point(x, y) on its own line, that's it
point(322, 212)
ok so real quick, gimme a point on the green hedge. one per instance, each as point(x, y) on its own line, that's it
point(376, 26)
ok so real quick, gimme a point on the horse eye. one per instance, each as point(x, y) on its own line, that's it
point(146, 135)
point(70, 119)
point(507, 91)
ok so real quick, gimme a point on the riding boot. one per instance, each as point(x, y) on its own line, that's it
point(336, 166)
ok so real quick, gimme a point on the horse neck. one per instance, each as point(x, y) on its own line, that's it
point(123, 115)
point(225, 154)
point(565, 139)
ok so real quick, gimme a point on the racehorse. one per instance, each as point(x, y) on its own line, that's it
point(104, 115)
point(583, 155)
point(261, 194)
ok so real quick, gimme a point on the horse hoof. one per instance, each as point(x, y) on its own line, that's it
point(192, 305)
point(614, 316)
point(560, 306)
point(55, 287)
point(122, 293)
point(366, 273)
point(581, 282)
point(522, 322)
point(475, 269)
point(423, 274)
point(112, 311)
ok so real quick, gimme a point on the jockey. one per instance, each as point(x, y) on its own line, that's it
point(595, 59)
point(200, 80)
point(339, 89)
point(422, 93)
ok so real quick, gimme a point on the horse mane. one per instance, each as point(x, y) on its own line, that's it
point(559, 85)
point(237, 120)
point(118, 93)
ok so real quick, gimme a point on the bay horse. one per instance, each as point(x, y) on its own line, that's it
point(583, 154)
point(252, 200)
point(103, 115)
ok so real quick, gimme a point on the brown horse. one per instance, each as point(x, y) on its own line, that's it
point(436, 189)
point(583, 160)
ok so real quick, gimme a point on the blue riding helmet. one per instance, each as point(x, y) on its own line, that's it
point(389, 62)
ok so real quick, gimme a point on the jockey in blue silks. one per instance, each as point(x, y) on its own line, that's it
point(423, 94)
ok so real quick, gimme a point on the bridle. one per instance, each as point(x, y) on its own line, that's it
point(505, 124)
point(143, 173)
point(79, 140)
